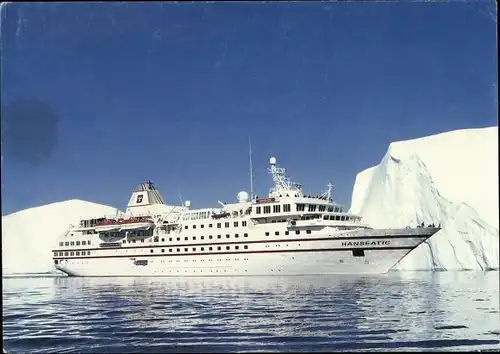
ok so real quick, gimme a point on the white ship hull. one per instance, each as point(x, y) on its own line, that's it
point(382, 249)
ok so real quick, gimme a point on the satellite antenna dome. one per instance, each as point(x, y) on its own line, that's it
point(272, 160)
point(243, 197)
point(187, 203)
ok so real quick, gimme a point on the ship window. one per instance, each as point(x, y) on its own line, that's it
point(202, 226)
point(202, 249)
point(142, 240)
point(301, 207)
point(209, 225)
point(286, 232)
point(243, 223)
point(151, 251)
point(210, 248)
point(337, 217)
point(276, 233)
point(170, 250)
point(133, 241)
point(227, 236)
point(185, 238)
point(72, 253)
point(286, 208)
point(218, 248)
point(78, 243)
point(185, 249)
point(276, 208)
point(194, 238)
point(61, 243)
point(226, 224)
point(330, 209)
point(236, 235)
point(358, 253)
point(267, 233)
point(257, 210)
point(202, 237)
point(342, 218)
point(170, 239)
point(61, 254)
point(88, 242)
point(218, 225)
point(218, 236)
point(245, 235)
point(245, 247)
point(72, 243)
point(162, 250)
point(66, 253)
point(66, 243)
point(312, 207)
point(236, 247)
point(84, 242)
point(210, 237)
point(178, 238)
point(297, 232)
point(185, 227)
point(227, 247)
point(267, 209)
point(235, 224)
point(77, 253)
point(194, 226)
point(178, 250)
point(124, 241)
point(194, 249)
point(308, 231)
point(88, 253)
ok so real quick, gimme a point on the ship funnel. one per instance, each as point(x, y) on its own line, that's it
point(145, 194)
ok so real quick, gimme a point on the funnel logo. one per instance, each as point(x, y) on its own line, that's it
point(139, 199)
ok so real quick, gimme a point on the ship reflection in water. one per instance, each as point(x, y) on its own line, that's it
point(397, 311)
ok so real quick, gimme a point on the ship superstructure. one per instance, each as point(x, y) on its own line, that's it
point(285, 232)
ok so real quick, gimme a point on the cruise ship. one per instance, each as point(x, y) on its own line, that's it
point(284, 233)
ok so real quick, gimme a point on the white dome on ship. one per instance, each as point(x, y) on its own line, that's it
point(187, 203)
point(243, 197)
point(272, 160)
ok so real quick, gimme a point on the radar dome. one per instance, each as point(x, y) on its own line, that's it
point(187, 203)
point(272, 160)
point(243, 197)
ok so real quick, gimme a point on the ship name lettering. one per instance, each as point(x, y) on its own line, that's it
point(366, 243)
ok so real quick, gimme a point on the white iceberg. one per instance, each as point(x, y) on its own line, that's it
point(449, 179)
point(28, 236)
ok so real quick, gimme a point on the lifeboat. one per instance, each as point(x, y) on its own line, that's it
point(116, 225)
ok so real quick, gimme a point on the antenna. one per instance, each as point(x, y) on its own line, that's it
point(180, 197)
point(251, 168)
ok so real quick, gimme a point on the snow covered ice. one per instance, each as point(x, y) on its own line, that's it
point(449, 179)
point(29, 236)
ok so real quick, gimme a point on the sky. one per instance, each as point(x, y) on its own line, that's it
point(97, 98)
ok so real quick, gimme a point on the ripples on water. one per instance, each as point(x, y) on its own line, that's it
point(398, 311)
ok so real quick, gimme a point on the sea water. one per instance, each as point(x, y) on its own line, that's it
point(411, 311)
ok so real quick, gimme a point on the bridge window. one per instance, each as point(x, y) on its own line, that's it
point(330, 209)
point(257, 210)
point(267, 209)
point(312, 207)
point(276, 208)
point(286, 208)
point(301, 207)
point(322, 208)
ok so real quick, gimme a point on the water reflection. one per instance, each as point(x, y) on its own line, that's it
point(253, 313)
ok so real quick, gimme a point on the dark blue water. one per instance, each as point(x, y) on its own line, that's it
point(400, 311)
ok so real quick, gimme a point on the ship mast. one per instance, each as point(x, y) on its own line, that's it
point(251, 168)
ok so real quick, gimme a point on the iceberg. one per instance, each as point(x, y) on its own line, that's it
point(449, 179)
point(28, 236)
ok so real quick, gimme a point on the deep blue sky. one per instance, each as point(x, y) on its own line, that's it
point(171, 92)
